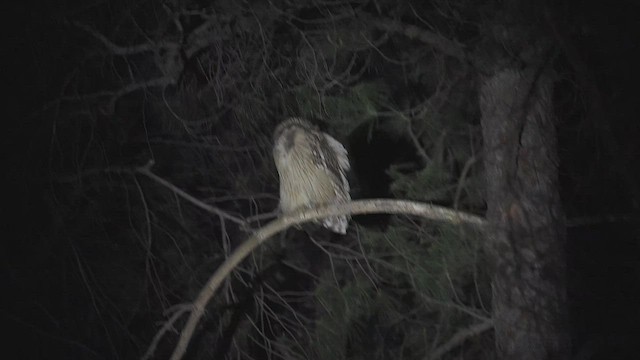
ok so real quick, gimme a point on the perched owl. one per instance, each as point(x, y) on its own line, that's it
point(312, 167)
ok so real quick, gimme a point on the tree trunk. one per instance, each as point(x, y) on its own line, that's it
point(527, 234)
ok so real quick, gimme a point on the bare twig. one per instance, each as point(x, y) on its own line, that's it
point(161, 82)
point(263, 216)
point(450, 304)
point(439, 42)
point(463, 176)
point(168, 325)
point(261, 235)
point(146, 171)
point(127, 50)
point(460, 337)
point(416, 143)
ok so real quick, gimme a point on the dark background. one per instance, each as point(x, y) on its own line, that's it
point(603, 256)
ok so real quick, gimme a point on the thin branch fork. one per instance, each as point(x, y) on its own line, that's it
point(146, 171)
point(446, 46)
point(127, 50)
point(372, 206)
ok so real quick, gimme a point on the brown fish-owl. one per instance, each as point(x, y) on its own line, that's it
point(312, 167)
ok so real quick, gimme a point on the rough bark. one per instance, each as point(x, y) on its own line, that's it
point(526, 231)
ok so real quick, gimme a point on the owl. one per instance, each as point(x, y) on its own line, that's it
point(312, 168)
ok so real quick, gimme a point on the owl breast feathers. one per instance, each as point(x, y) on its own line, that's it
point(312, 168)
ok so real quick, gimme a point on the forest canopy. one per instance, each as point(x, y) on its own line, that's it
point(151, 141)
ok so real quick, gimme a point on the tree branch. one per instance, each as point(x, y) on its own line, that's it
point(439, 42)
point(461, 336)
point(371, 206)
point(127, 50)
point(146, 171)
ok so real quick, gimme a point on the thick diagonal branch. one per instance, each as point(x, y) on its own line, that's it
point(372, 206)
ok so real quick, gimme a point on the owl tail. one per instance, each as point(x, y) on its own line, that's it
point(337, 224)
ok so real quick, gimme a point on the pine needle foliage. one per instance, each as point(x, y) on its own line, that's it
point(346, 109)
point(400, 300)
point(431, 183)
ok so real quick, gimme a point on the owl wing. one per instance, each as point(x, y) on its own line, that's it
point(340, 151)
point(333, 156)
